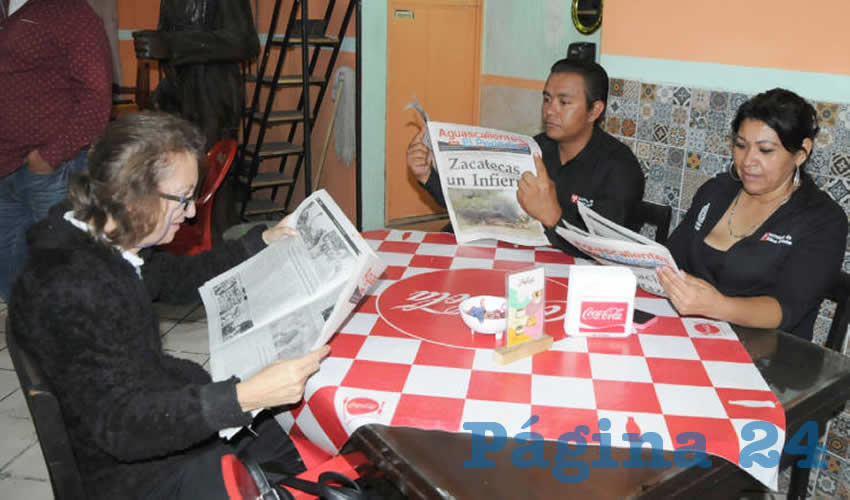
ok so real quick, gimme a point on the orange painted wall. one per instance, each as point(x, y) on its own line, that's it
point(782, 34)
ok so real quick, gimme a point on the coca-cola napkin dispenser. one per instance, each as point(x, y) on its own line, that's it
point(600, 301)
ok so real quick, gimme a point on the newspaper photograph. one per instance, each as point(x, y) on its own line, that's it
point(291, 297)
point(479, 170)
point(612, 244)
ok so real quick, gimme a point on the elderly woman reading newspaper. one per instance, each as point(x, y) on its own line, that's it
point(142, 423)
point(760, 244)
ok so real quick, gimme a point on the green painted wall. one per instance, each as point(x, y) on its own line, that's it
point(523, 38)
point(374, 113)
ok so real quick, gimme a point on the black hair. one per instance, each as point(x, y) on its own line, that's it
point(789, 115)
point(595, 80)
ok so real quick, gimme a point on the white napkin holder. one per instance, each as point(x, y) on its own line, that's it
point(600, 301)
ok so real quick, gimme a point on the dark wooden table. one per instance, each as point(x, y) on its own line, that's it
point(812, 383)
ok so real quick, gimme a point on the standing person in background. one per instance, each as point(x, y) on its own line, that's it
point(108, 12)
point(200, 44)
point(55, 98)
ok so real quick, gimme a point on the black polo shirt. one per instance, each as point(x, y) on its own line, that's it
point(794, 256)
point(605, 176)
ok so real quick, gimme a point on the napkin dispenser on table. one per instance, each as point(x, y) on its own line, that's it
point(600, 301)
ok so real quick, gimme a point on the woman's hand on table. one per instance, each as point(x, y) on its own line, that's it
point(279, 231)
point(280, 383)
point(690, 296)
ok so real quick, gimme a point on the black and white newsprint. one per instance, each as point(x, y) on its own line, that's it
point(479, 170)
point(291, 297)
point(612, 244)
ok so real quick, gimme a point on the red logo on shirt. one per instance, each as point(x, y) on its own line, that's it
point(603, 316)
point(706, 328)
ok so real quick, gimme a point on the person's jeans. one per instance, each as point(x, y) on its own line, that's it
point(24, 199)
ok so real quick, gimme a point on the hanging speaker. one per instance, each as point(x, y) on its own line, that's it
point(585, 51)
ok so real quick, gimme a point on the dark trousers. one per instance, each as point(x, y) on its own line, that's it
point(200, 476)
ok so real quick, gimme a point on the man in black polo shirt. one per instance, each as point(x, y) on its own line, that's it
point(581, 163)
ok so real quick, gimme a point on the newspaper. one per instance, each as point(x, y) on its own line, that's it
point(479, 170)
point(612, 244)
point(291, 297)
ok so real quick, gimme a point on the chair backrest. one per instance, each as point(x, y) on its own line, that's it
point(658, 216)
point(196, 237)
point(219, 159)
point(49, 425)
point(840, 294)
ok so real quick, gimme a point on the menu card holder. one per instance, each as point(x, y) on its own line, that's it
point(526, 303)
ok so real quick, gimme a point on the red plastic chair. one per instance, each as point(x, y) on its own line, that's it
point(195, 238)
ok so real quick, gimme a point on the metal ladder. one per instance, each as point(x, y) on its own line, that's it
point(262, 114)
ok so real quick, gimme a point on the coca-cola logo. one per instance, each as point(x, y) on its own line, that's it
point(361, 406)
point(425, 305)
point(706, 328)
point(603, 316)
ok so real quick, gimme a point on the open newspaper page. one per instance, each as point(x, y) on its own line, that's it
point(612, 244)
point(479, 170)
point(291, 297)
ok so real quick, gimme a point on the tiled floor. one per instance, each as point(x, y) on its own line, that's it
point(23, 474)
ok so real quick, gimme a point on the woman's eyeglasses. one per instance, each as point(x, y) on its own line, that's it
point(183, 200)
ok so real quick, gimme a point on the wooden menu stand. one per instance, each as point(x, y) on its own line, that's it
point(509, 354)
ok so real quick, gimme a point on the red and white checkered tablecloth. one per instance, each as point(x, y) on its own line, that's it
point(405, 358)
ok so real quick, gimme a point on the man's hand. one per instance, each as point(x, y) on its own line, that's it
point(37, 164)
point(419, 157)
point(150, 45)
point(280, 383)
point(691, 296)
point(279, 231)
point(538, 197)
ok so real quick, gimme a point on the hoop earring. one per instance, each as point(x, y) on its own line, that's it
point(796, 180)
point(733, 172)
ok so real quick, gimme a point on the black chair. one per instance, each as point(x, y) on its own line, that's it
point(655, 215)
point(840, 294)
point(46, 415)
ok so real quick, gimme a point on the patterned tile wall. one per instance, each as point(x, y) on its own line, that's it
point(681, 137)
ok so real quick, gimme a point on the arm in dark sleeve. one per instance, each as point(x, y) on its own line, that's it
point(175, 280)
point(134, 410)
point(234, 39)
point(434, 188)
point(812, 265)
point(89, 75)
point(183, 369)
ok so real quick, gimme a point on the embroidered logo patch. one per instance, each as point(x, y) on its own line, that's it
point(701, 216)
point(576, 199)
point(778, 239)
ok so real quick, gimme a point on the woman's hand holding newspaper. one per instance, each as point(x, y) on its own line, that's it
point(281, 382)
point(537, 195)
point(690, 296)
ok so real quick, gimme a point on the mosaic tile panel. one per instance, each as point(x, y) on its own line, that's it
point(834, 480)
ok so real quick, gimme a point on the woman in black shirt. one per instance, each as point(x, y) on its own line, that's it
point(760, 246)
